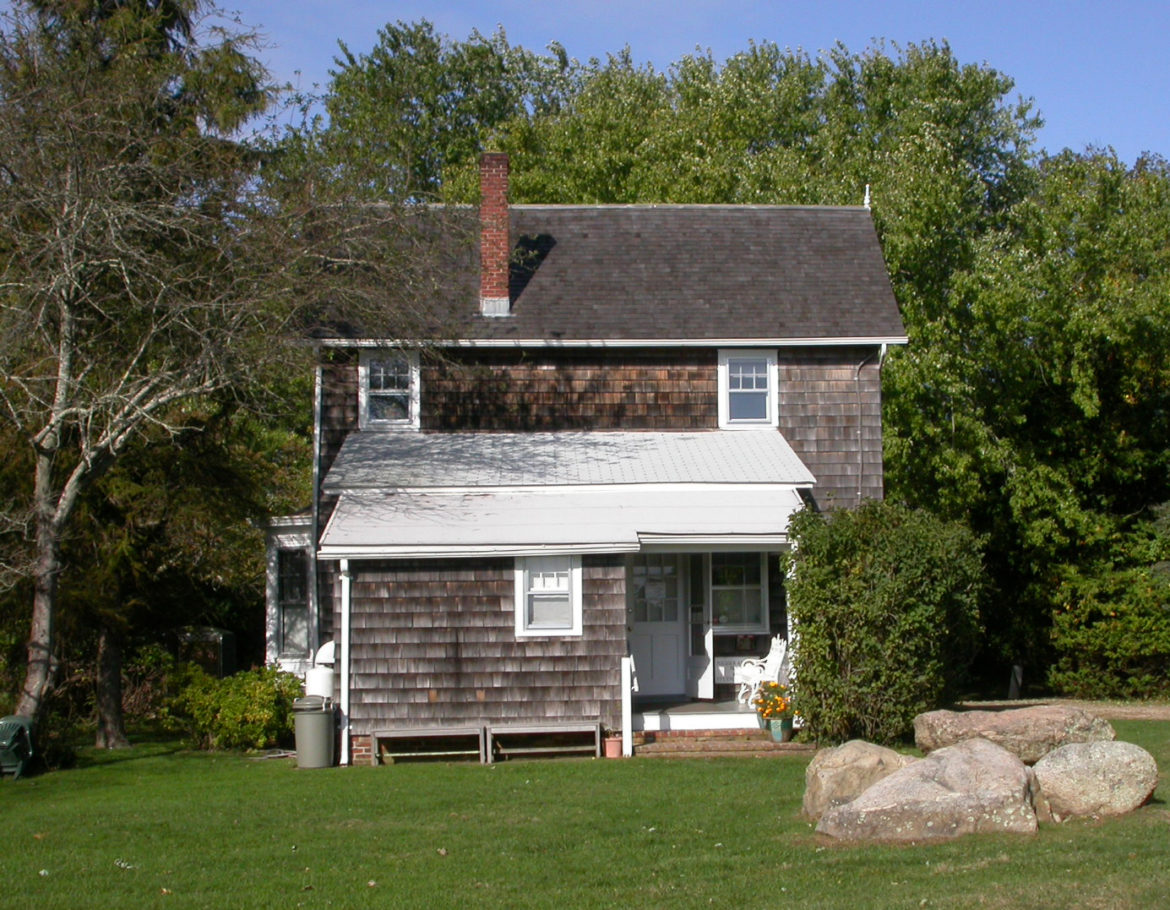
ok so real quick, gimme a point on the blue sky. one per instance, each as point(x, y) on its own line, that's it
point(1099, 72)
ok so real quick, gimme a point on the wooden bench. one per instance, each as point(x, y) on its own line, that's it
point(454, 742)
point(543, 731)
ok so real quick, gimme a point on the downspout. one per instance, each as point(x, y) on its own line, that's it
point(857, 380)
point(860, 424)
point(343, 683)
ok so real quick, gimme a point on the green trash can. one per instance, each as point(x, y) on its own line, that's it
point(15, 744)
point(313, 718)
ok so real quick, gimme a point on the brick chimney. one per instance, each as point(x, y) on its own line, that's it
point(494, 248)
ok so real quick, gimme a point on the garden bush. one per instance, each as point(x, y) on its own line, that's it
point(1111, 631)
point(251, 710)
point(884, 604)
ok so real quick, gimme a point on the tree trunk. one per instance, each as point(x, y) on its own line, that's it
point(111, 726)
point(39, 674)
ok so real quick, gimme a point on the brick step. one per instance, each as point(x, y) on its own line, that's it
point(748, 745)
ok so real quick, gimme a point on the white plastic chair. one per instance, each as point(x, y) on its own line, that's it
point(756, 670)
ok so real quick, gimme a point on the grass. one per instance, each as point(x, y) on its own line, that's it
point(158, 827)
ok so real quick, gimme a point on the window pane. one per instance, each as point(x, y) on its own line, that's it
point(389, 374)
point(727, 569)
point(294, 631)
point(549, 611)
point(747, 384)
point(747, 406)
point(292, 576)
point(737, 589)
point(747, 375)
point(389, 407)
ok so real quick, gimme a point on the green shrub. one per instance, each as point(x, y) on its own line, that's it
point(884, 602)
point(251, 710)
point(1111, 631)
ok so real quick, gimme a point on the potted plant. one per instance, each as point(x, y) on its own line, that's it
point(612, 742)
point(776, 707)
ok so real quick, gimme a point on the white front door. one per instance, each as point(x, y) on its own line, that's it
point(658, 624)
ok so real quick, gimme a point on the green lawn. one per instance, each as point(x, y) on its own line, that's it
point(163, 828)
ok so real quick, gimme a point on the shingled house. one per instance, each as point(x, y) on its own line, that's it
point(602, 465)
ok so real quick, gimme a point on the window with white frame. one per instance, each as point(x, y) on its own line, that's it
point(388, 389)
point(548, 595)
point(747, 388)
point(739, 592)
point(292, 599)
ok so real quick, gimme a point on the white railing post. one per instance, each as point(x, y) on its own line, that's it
point(627, 707)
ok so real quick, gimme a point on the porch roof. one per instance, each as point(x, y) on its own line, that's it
point(400, 460)
point(503, 522)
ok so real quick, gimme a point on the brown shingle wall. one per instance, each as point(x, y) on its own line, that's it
point(831, 414)
point(571, 390)
point(433, 642)
point(339, 405)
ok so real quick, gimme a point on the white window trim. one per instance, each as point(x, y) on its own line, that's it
point(521, 601)
point(278, 540)
point(364, 420)
point(761, 628)
point(725, 357)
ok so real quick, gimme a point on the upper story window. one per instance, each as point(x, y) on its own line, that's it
point(747, 388)
point(388, 389)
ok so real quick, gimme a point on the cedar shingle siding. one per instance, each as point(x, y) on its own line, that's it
point(826, 395)
point(572, 390)
point(433, 642)
point(831, 414)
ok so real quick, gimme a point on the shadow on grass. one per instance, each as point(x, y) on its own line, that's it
point(143, 744)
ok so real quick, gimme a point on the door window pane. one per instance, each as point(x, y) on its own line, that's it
point(655, 589)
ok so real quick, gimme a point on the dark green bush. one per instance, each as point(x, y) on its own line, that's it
point(251, 710)
point(884, 602)
point(1111, 631)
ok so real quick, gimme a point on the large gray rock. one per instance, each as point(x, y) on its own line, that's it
point(1093, 779)
point(973, 787)
point(1029, 733)
point(836, 776)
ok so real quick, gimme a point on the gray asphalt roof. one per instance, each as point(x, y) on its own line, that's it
point(686, 272)
point(395, 460)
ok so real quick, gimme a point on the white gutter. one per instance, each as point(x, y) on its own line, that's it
point(346, 600)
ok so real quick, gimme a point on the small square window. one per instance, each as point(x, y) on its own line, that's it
point(548, 595)
point(747, 389)
point(388, 389)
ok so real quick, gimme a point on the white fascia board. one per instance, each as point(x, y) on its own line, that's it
point(463, 551)
point(576, 488)
point(820, 341)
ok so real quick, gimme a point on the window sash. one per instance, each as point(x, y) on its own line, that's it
point(389, 393)
point(548, 595)
point(747, 388)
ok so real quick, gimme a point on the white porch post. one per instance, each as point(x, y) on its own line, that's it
point(627, 707)
point(346, 582)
